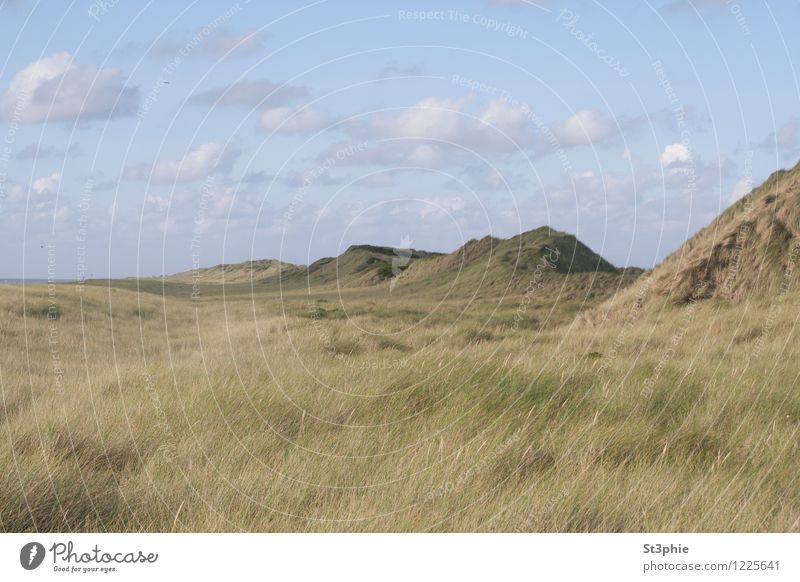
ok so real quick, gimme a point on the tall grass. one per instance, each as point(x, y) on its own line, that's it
point(137, 412)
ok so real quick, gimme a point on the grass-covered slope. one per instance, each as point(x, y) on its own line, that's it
point(232, 273)
point(747, 255)
point(749, 250)
point(548, 262)
point(126, 412)
point(552, 263)
point(358, 266)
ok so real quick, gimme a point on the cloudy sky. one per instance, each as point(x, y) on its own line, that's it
point(145, 137)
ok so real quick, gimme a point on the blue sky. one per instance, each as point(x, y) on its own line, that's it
point(141, 138)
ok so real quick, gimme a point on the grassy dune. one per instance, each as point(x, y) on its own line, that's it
point(151, 411)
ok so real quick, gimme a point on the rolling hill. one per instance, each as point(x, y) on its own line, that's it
point(232, 273)
point(552, 263)
point(542, 260)
point(749, 251)
point(358, 266)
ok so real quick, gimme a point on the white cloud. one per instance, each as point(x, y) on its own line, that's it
point(500, 126)
point(440, 206)
point(450, 120)
point(33, 203)
point(292, 120)
point(200, 162)
point(47, 184)
point(502, 114)
point(675, 153)
point(56, 88)
point(421, 135)
point(226, 207)
point(432, 117)
point(584, 127)
point(425, 155)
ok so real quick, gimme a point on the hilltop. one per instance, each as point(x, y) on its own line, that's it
point(232, 273)
point(747, 252)
point(544, 260)
point(358, 266)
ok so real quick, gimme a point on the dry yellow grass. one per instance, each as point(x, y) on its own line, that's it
point(141, 412)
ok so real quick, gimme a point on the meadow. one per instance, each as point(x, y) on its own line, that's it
point(133, 406)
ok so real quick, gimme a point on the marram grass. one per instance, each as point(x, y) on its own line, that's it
point(125, 411)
